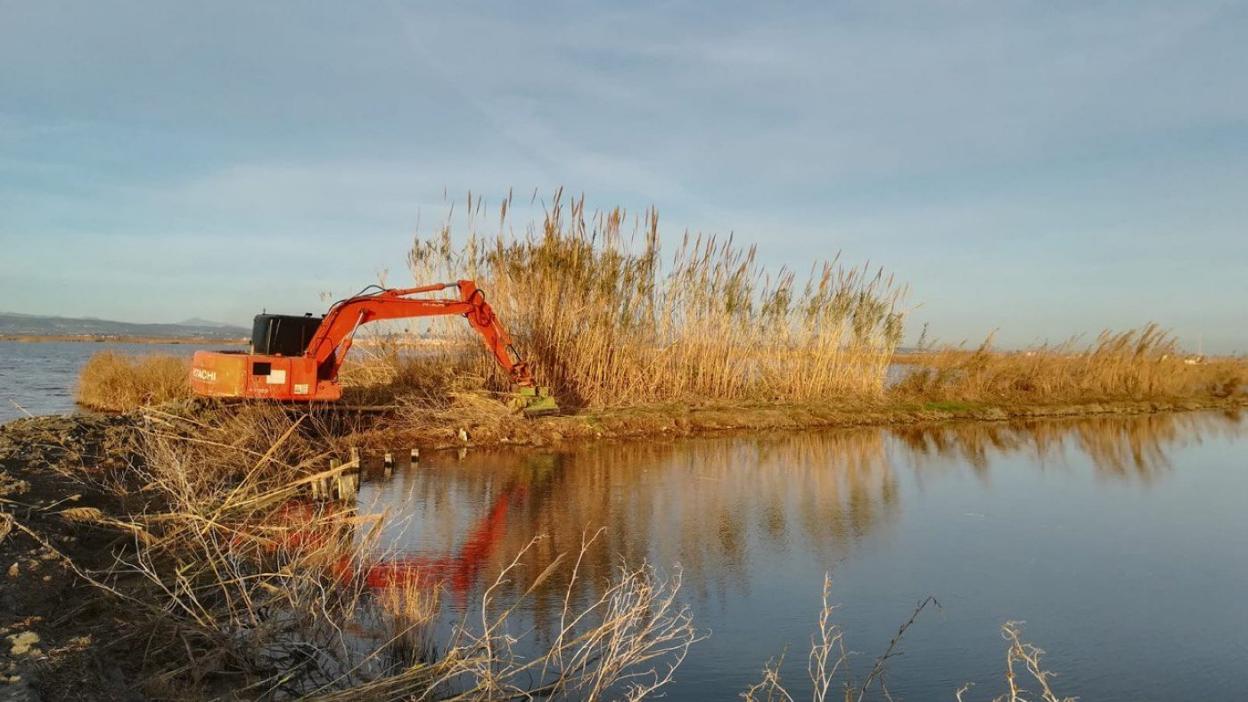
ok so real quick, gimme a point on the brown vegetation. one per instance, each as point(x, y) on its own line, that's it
point(1138, 364)
point(231, 580)
point(635, 342)
point(116, 382)
point(445, 398)
point(608, 321)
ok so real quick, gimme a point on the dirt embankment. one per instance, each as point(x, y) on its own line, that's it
point(59, 638)
point(482, 424)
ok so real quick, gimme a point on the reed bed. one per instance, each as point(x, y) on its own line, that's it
point(115, 382)
point(615, 324)
point(607, 321)
point(1137, 364)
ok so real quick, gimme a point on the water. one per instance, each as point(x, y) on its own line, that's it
point(40, 377)
point(1120, 541)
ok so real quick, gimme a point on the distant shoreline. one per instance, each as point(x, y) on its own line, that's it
point(202, 340)
point(121, 339)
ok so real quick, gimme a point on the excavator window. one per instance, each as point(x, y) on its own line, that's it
point(261, 368)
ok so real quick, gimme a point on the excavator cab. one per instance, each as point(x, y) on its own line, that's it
point(283, 334)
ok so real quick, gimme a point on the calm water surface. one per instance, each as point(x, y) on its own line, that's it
point(41, 376)
point(1122, 543)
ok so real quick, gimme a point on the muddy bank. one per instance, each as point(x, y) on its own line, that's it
point(61, 637)
point(474, 427)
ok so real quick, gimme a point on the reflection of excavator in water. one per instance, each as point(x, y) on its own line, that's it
point(458, 570)
point(298, 358)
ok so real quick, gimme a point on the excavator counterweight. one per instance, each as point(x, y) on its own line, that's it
point(298, 358)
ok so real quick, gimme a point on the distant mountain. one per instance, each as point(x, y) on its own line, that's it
point(13, 323)
point(208, 323)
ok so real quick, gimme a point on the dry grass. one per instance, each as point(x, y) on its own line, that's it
point(828, 661)
point(624, 644)
point(410, 608)
point(233, 578)
point(117, 383)
point(239, 575)
point(1139, 364)
point(828, 666)
point(387, 371)
point(607, 321)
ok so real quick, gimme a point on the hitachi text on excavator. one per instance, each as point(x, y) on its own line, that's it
point(297, 359)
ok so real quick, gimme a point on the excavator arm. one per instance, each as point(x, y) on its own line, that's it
point(329, 345)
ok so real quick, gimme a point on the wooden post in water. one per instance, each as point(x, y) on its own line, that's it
point(348, 485)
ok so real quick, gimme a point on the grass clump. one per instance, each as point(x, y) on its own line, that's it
point(607, 321)
point(1137, 364)
point(117, 383)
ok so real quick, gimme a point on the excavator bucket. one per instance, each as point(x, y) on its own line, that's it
point(535, 401)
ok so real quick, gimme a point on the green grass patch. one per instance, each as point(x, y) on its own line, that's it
point(953, 406)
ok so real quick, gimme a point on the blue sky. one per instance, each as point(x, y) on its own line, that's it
point(1039, 168)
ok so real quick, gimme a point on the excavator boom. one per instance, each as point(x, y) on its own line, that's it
point(298, 358)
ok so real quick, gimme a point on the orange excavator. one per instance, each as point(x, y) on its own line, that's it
point(297, 359)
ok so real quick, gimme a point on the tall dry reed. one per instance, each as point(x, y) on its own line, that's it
point(1137, 364)
point(607, 320)
point(117, 383)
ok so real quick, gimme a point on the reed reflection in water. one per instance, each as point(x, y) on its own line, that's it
point(704, 504)
point(1135, 448)
point(751, 519)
